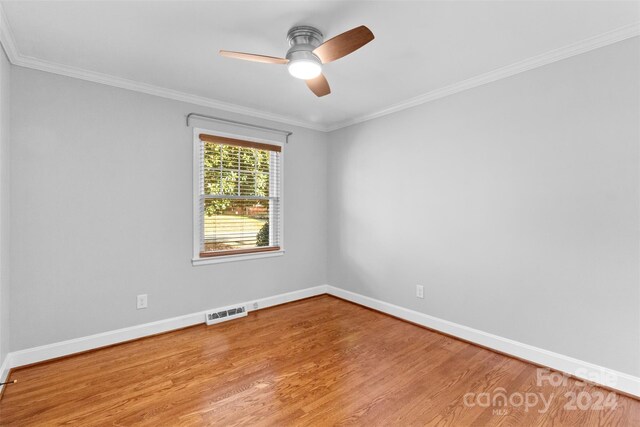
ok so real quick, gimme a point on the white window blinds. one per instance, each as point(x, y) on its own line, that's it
point(240, 185)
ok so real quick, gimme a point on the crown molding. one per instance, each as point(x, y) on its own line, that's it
point(95, 77)
point(17, 59)
point(6, 37)
point(586, 45)
point(546, 58)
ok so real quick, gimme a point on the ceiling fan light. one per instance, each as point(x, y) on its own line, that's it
point(304, 69)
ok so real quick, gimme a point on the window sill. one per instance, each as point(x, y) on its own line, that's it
point(231, 258)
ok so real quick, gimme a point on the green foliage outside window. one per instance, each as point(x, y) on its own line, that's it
point(262, 238)
point(237, 171)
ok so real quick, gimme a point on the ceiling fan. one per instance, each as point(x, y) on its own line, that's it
point(308, 53)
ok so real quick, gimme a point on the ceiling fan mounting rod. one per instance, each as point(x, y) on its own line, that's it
point(304, 35)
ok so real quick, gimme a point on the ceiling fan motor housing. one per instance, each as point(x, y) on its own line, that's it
point(303, 40)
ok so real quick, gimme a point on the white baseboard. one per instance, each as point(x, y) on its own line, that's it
point(77, 345)
point(597, 374)
point(288, 297)
point(4, 370)
point(588, 371)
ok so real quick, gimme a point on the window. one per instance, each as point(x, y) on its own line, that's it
point(238, 202)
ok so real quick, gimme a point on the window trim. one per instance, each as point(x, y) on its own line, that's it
point(199, 258)
point(240, 251)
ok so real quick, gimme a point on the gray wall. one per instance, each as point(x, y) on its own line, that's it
point(102, 211)
point(515, 204)
point(5, 114)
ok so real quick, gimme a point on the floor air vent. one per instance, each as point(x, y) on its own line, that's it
point(223, 314)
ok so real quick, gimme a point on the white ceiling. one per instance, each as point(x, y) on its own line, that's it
point(419, 46)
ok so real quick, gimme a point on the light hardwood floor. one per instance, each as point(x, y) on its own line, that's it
point(320, 361)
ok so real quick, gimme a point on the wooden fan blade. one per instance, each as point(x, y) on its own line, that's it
point(252, 57)
point(319, 85)
point(343, 44)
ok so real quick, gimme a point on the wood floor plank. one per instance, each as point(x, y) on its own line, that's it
point(315, 362)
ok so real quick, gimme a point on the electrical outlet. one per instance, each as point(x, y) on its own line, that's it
point(419, 291)
point(141, 301)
